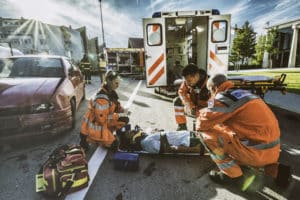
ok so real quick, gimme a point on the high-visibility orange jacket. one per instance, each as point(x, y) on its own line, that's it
point(239, 128)
point(102, 116)
point(195, 97)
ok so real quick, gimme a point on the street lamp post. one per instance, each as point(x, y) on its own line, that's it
point(103, 39)
point(102, 71)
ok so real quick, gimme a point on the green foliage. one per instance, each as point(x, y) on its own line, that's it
point(243, 46)
point(271, 41)
point(260, 49)
point(267, 43)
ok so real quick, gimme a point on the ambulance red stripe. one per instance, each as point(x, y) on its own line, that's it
point(157, 76)
point(155, 64)
point(215, 58)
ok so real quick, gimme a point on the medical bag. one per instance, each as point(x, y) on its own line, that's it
point(65, 171)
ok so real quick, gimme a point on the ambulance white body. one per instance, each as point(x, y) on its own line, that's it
point(201, 37)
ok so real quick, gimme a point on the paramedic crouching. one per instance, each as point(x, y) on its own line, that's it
point(105, 115)
point(238, 128)
point(192, 93)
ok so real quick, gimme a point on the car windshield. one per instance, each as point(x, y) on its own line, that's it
point(31, 67)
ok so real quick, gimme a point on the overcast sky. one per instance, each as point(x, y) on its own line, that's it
point(123, 18)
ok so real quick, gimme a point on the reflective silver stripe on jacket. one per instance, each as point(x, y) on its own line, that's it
point(226, 165)
point(110, 117)
point(91, 125)
point(101, 96)
point(263, 145)
point(217, 157)
point(232, 104)
point(101, 107)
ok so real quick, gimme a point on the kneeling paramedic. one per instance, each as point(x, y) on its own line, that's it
point(105, 115)
point(238, 128)
point(192, 94)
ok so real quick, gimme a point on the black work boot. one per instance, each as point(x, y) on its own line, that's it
point(181, 127)
point(221, 178)
point(283, 176)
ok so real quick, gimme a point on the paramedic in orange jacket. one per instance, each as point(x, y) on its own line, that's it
point(238, 128)
point(192, 93)
point(105, 115)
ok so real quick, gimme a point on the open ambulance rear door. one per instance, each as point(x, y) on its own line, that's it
point(155, 55)
point(218, 44)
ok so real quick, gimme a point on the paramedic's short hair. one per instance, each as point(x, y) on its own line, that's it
point(192, 69)
point(111, 75)
point(215, 81)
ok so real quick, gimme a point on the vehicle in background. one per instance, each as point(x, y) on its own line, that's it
point(6, 51)
point(39, 95)
point(126, 61)
point(201, 37)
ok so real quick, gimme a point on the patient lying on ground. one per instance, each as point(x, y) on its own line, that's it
point(160, 141)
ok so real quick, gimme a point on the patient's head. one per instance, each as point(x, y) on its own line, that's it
point(131, 140)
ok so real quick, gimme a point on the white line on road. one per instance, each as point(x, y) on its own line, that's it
point(98, 157)
point(130, 100)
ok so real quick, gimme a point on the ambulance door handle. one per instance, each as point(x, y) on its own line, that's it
point(147, 56)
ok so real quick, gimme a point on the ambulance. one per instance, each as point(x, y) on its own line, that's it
point(174, 38)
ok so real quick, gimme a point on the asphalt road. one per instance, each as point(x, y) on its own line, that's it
point(159, 177)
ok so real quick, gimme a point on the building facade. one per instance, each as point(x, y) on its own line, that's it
point(34, 37)
point(288, 44)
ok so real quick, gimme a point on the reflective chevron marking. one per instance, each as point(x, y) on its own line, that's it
point(155, 64)
point(215, 58)
point(157, 76)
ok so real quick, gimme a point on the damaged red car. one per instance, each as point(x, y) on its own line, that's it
point(38, 95)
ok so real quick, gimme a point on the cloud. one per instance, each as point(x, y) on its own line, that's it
point(283, 10)
point(118, 26)
point(123, 19)
point(171, 5)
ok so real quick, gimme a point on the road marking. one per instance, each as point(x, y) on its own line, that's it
point(97, 158)
point(130, 100)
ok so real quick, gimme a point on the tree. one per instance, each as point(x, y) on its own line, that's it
point(244, 43)
point(260, 49)
point(270, 44)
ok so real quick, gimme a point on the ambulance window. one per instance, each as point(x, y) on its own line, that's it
point(219, 31)
point(154, 36)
